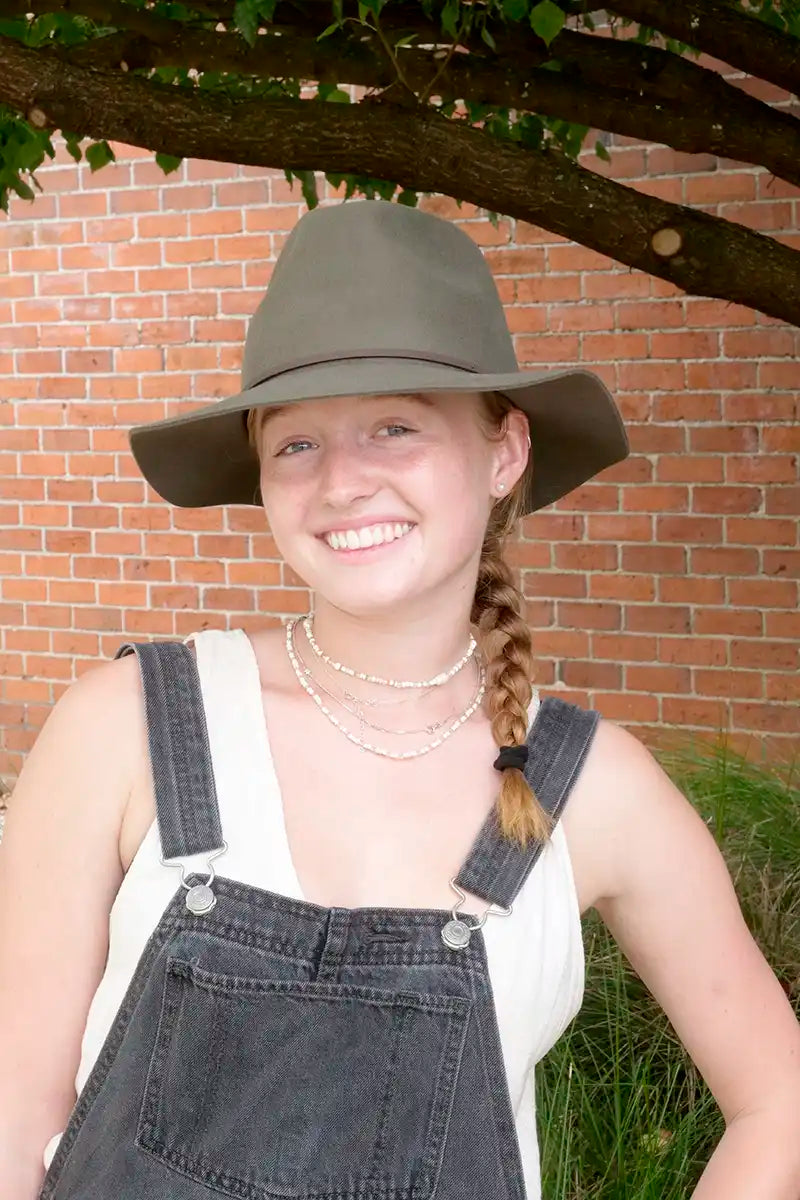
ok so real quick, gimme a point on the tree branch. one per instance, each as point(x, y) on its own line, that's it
point(663, 98)
point(421, 151)
point(725, 33)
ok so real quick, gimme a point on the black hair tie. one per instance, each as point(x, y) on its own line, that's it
point(511, 756)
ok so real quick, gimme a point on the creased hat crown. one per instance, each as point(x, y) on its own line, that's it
point(423, 290)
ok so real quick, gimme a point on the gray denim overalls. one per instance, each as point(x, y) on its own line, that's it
point(273, 1049)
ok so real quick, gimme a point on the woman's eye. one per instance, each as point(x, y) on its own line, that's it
point(397, 425)
point(288, 448)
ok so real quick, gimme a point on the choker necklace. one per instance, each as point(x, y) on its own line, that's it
point(437, 680)
point(466, 714)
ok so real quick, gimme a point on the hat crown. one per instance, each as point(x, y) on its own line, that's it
point(372, 278)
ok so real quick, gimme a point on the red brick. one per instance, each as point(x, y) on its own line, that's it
point(763, 593)
point(619, 528)
point(762, 531)
point(766, 655)
point(684, 710)
point(762, 468)
point(702, 376)
point(726, 499)
point(709, 189)
point(621, 587)
point(574, 614)
point(625, 647)
point(690, 468)
point(657, 499)
point(657, 618)
point(673, 589)
point(723, 560)
point(706, 651)
point(770, 717)
point(655, 376)
point(761, 407)
point(657, 679)
point(579, 674)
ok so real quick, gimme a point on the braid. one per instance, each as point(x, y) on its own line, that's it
point(507, 650)
point(506, 643)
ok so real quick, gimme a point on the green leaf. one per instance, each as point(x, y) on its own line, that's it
point(450, 17)
point(168, 162)
point(547, 20)
point(487, 37)
point(245, 18)
point(407, 196)
point(329, 29)
point(515, 10)
point(338, 11)
point(330, 91)
point(73, 144)
point(308, 186)
point(98, 155)
point(601, 151)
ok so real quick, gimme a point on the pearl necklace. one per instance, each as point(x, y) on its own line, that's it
point(359, 741)
point(397, 683)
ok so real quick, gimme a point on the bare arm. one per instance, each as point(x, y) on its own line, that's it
point(59, 874)
point(670, 904)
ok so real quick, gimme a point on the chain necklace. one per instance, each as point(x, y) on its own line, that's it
point(437, 680)
point(396, 754)
point(358, 711)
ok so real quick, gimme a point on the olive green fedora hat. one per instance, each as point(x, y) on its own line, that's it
point(373, 297)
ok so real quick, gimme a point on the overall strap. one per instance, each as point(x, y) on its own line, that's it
point(558, 743)
point(183, 776)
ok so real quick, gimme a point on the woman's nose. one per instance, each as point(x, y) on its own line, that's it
point(346, 473)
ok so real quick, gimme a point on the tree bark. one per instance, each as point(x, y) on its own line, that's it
point(620, 86)
point(725, 33)
point(418, 150)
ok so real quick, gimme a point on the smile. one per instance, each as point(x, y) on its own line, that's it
point(370, 535)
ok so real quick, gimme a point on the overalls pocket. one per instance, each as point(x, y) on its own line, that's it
point(263, 1088)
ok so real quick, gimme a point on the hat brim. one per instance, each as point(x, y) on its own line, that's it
point(203, 457)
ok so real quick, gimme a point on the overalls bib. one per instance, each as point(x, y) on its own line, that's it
point(274, 1049)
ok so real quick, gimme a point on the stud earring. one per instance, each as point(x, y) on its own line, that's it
point(501, 487)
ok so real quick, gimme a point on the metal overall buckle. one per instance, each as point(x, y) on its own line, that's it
point(456, 933)
point(200, 898)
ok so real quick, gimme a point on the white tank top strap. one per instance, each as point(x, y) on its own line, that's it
point(247, 788)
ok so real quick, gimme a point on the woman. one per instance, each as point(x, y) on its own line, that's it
point(385, 836)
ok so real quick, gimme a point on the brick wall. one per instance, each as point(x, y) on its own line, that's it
point(665, 594)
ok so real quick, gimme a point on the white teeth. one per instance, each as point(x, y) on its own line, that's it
point(370, 535)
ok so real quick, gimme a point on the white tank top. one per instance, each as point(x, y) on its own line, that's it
point(535, 955)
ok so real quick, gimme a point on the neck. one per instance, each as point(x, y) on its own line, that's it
point(393, 647)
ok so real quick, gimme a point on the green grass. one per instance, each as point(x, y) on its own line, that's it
point(623, 1113)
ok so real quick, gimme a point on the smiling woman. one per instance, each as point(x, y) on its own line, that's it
point(385, 837)
point(429, 466)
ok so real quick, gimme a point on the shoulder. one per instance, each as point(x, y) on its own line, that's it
point(620, 807)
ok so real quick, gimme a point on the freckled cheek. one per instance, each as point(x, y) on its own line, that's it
point(286, 506)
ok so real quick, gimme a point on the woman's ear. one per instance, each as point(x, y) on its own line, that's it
point(512, 450)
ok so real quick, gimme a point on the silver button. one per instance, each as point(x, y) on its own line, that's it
point(455, 934)
point(200, 899)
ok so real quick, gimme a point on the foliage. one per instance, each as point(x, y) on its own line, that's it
point(623, 1112)
point(24, 146)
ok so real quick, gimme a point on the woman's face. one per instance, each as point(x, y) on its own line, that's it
point(412, 475)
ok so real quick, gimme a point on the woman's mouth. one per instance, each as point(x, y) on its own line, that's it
point(368, 536)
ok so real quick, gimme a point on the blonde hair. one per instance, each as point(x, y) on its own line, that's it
point(504, 637)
